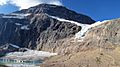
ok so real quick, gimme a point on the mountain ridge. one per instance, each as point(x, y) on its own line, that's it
point(53, 29)
point(36, 29)
point(58, 11)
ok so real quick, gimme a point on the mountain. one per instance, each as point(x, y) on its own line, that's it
point(75, 39)
point(58, 11)
point(40, 27)
point(100, 47)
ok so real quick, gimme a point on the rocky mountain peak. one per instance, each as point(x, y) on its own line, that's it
point(58, 11)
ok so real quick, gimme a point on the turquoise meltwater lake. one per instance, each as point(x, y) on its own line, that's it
point(19, 63)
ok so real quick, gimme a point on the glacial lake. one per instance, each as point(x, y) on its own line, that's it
point(18, 63)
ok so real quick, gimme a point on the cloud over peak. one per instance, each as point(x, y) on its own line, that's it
point(24, 4)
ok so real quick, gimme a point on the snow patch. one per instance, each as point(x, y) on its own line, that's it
point(15, 46)
point(15, 15)
point(64, 20)
point(25, 27)
point(20, 14)
point(6, 16)
point(18, 24)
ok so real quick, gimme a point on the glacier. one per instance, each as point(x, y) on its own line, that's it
point(30, 55)
point(85, 27)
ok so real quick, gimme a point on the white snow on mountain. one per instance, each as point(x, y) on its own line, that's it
point(64, 20)
point(82, 32)
point(29, 55)
point(15, 15)
point(9, 16)
point(25, 27)
point(85, 28)
point(9, 46)
point(20, 14)
point(15, 46)
point(18, 24)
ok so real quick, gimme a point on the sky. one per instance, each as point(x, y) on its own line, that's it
point(98, 10)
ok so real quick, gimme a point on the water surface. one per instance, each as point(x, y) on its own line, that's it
point(19, 63)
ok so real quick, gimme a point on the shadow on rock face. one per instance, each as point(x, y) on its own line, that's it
point(2, 55)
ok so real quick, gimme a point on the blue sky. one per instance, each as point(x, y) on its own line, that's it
point(96, 9)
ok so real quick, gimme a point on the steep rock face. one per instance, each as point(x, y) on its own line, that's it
point(99, 48)
point(9, 31)
point(45, 32)
point(39, 30)
point(34, 28)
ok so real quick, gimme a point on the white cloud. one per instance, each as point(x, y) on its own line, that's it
point(2, 2)
point(24, 4)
